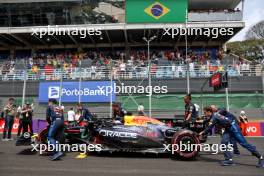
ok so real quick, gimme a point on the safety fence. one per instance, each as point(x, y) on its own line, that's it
point(158, 72)
point(175, 101)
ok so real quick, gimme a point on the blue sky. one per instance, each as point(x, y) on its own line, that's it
point(253, 13)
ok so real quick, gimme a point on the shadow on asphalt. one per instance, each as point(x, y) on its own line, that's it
point(27, 151)
point(204, 158)
point(129, 155)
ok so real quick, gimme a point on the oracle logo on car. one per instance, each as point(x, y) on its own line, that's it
point(119, 134)
point(253, 129)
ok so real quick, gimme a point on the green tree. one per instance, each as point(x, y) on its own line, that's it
point(248, 49)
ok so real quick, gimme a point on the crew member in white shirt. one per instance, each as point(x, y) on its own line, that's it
point(71, 116)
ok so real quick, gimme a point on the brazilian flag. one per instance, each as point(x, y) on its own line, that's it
point(156, 11)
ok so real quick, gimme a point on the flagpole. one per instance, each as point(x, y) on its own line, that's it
point(186, 53)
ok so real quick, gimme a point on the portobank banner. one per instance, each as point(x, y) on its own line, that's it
point(89, 91)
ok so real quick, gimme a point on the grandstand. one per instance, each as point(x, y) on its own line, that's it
point(16, 27)
point(118, 41)
point(48, 57)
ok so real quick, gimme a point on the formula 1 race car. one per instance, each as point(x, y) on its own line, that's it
point(134, 134)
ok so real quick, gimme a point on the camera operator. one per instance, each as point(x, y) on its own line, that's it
point(10, 112)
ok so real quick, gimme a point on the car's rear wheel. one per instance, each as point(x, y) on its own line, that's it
point(43, 137)
point(185, 145)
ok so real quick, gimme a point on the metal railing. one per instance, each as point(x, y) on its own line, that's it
point(159, 72)
point(215, 16)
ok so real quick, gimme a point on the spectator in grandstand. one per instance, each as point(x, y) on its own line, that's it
point(245, 69)
point(203, 71)
point(191, 69)
point(122, 68)
point(221, 68)
point(202, 61)
point(141, 111)
point(174, 71)
point(248, 69)
point(180, 72)
point(41, 63)
point(71, 116)
point(243, 120)
point(93, 71)
point(35, 69)
point(10, 112)
point(48, 71)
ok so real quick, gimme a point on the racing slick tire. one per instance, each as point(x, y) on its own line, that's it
point(185, 145)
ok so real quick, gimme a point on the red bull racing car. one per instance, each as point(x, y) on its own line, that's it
point(133, 134)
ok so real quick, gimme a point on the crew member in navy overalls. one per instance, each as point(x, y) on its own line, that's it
point(190, 114)
point(84, 113)
point(55, 118)
point(231, 130)
point(232, 117)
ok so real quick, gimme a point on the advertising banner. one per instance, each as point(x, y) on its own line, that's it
point(254, 129)
point(15, 125)
point(90, 91)
point(262, 128)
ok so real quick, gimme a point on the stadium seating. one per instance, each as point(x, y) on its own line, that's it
point(166, 64)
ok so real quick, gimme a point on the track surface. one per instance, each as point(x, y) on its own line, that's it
point(20, 161)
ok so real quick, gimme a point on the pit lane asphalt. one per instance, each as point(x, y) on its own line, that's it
point(19, 161)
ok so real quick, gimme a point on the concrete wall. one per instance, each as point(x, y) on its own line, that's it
point(236, 84)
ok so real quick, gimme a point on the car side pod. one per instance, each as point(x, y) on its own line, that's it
point(185, 145)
